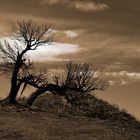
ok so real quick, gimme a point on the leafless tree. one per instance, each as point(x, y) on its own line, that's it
point(78, 77)
point(13, 56)
point(81, 77)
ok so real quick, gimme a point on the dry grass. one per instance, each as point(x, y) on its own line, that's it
point(47, 126)
point(58, 120)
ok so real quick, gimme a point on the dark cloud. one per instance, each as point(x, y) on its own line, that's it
point(82, 5)
point(108, 30)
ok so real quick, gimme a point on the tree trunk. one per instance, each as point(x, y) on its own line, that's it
point(11, 98)
point(49, 88)
point(15, 86)
point(33, 97)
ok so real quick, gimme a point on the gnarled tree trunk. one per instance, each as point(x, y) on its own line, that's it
point(33, 97)
point(49, 88)
point(13, 58)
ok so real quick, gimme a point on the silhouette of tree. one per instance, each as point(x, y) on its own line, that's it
point(14, 59)
point(28, 36)
point(78, 77)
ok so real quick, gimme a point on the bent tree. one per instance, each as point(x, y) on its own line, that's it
point(28, 36)
point(77, 80)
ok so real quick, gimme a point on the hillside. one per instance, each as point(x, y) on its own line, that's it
point(52, 118)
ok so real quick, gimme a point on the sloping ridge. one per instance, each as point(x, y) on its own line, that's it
point(97, 108)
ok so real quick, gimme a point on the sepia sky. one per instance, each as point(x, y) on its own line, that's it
point(105, 33)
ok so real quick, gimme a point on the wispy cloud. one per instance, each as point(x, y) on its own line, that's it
point(54, 2)
point(82, 5)
point(89, 6)
point(132, 75)
point(46, 51)
point(71, 34)
point(50, 52)
point(122, 77)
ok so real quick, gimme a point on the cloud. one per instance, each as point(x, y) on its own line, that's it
point(132, 75)
point(89, 6)
point(122, 77)
point(71, 34)
point(86, 6)
point(54, 2)
point(46, 51)
point(50, 52)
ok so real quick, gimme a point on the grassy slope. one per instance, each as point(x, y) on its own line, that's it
point(46, 126)
point(24, 124)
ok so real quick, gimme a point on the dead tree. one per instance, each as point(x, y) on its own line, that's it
point(13, 56)
point(82, 78)
point(49, 88)
point(78, 78)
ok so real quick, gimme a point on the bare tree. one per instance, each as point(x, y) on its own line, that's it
point(14, 61)
point(81, 77)
point(13, 56)
point(78, 77)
